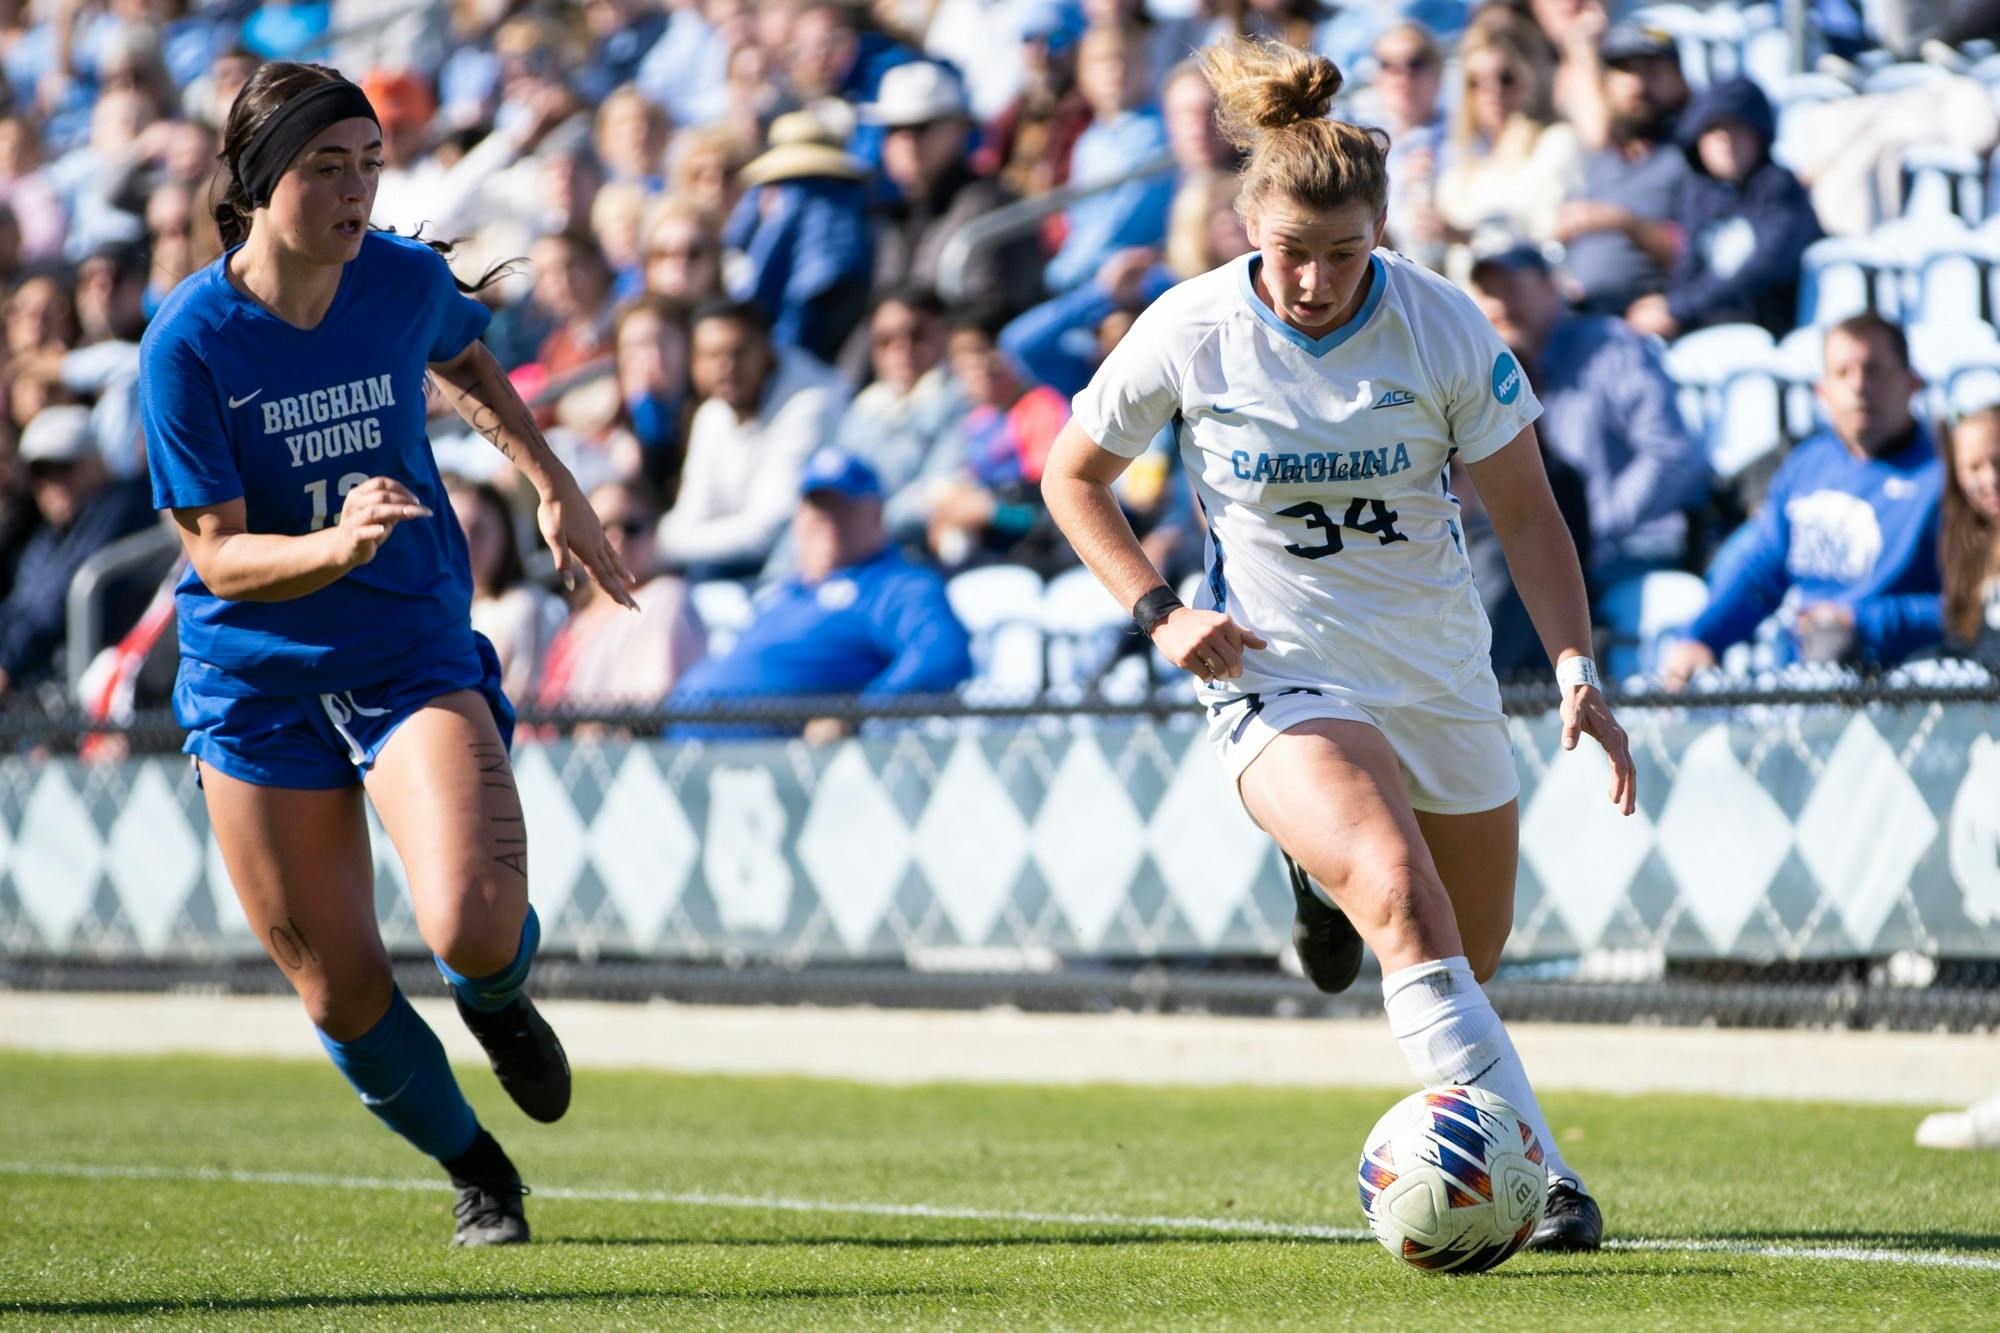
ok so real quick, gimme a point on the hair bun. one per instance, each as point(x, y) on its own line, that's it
point(1267, 85)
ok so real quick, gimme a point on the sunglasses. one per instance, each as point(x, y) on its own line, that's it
point(689, 253)
point(905, 337)
point(1502, 80)
point(49, 469)
point(629, 527)
point(1408, 69)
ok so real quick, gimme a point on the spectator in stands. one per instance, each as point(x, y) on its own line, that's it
point(632, 135)
point(82, 511)
point(519, 617)
point(1409, 75)
point(573, 288)
point(180, 238)
point(761, 410)
point(683, 253)
point(19, 519)
point(1030, 143)
point(904, 424)
point(1970, 536)
point(687, 69)
point(991, 509)
point(25, 189)
point(803, 228)
point(1745, 220)
point(837, 51)
point(1846, 542)
point(927, 133)
point(410, 177)
point(606, 657)
point(622, 32)
point(649, 334)
point(1608, 411)
point(40, 315)
point(1512, 163)
point(705, 167)
point(104, 366)
point(1125, 131)
point(1061, 341)
point(1622, 231)
point(91, 179)
point(856, 617)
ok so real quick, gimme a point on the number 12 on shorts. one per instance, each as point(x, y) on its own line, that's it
point(317, 490)
point(1379, 522)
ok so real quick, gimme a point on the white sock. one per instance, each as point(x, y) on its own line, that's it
point(1451, 1036)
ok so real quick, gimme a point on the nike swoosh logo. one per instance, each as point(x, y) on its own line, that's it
point(1220, 410)
point(238, 402)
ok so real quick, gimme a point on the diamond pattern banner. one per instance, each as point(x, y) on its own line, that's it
point(1762, 834)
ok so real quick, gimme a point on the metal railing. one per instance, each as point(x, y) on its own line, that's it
point(155, 546)
point(1019, 218)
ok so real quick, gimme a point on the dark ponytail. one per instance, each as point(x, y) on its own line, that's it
point(275, 83)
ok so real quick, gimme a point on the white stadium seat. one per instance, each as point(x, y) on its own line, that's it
point(1000, 607)
point(1083, 624)
point(725, 608)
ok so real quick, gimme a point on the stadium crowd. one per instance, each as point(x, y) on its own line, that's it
point(801, 409)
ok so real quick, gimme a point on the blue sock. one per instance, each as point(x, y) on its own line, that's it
point(494, 993)
point(398, 1067)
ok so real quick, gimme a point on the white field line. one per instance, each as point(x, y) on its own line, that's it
point(1221, 1226)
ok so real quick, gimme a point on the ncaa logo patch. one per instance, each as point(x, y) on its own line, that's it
point(1506, 378)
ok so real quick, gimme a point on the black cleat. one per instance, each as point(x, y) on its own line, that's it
point(526, 1057)
point(1328, 946)
point(489, 1208)
point(1570, 1224)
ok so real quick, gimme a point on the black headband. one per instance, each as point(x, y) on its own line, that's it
point(291, 127)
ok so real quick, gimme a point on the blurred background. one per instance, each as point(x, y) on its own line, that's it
point(805, 291)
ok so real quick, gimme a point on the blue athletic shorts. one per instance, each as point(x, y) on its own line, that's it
point(319, 742)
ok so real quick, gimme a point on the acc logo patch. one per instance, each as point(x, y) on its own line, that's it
point(1506, 378)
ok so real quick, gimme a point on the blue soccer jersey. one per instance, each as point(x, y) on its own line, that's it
point(239, 404)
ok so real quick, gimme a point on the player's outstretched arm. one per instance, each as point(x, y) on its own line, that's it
point(1076, 485)
point(242, 566)
point(480, 392)
point(1540, 555)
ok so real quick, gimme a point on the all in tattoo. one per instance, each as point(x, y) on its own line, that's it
point(511, 835)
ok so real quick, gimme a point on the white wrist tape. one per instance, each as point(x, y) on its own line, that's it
point(1574, 671)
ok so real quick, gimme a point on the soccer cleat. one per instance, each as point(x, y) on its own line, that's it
point(526, 1057)
point(489, 1210)
point(1570, 1223)
point(1328, 946)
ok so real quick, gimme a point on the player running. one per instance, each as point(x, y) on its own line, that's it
point(325, 630)
point(1319, 386)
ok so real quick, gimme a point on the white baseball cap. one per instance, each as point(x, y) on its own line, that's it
point(60, 434)
point(916, 94)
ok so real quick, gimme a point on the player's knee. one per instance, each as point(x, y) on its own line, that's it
point(475, 941)
point(346, 1007)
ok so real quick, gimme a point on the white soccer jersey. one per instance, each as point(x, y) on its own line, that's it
point(1320, 464)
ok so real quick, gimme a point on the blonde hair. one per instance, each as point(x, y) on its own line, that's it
point(1524, 62)
point(1271, 101)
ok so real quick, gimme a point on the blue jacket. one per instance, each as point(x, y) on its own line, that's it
point(1609, 411)
point(877, 629)
point(1740, 256)
point(1055, 343)
point(1862, 532)
point(811, 259)
point(33, 618)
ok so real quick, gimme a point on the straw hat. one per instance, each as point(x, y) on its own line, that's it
point(801, 146)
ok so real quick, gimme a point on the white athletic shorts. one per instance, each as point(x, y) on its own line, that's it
point(1453, 749)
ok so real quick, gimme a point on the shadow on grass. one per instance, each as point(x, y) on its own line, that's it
point(443, 1299)
point(1051, 1239)
point(1512, 1273)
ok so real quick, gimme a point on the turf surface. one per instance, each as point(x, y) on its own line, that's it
point(192, 1247)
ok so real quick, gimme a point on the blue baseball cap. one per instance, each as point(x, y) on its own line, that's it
point(1053, 21)
point(832, 469)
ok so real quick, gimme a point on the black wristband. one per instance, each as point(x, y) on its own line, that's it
point(1154, 607)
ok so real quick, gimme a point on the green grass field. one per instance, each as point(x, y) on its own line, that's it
point(682, 1202)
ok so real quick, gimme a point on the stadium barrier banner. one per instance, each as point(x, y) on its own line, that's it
point(1764, 833)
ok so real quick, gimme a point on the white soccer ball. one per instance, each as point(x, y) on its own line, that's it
point(1452, 1180)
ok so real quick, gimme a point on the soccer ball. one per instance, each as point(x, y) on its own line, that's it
point(1452, 1180)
